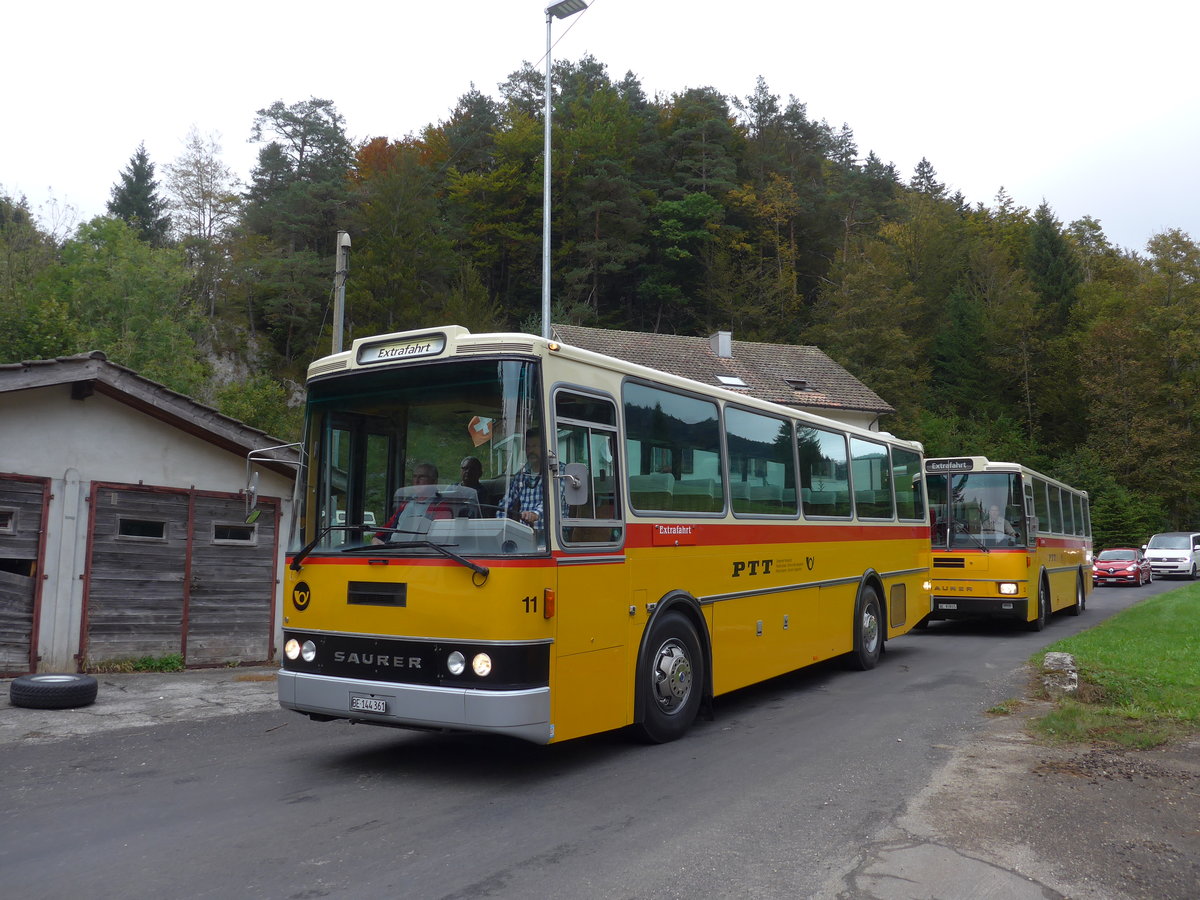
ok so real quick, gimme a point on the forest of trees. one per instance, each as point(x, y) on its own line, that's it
point(992, 329)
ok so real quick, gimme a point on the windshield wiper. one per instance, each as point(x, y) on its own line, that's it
point(961, 528)
point(410, 545)
point(311, 545)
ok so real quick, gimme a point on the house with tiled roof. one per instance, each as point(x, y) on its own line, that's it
point(123, 522)
point(801, 377)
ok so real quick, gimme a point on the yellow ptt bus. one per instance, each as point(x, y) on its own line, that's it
point(1008, 542)
point(638, 543)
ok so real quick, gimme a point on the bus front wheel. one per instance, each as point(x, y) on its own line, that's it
point(1081, 596)
point(868, 632)
point(671, 679)
point(1043, 602)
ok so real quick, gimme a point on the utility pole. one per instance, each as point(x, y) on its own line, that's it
point(341, 267)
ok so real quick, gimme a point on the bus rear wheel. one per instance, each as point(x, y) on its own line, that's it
point(671, 679)
point(868, 632)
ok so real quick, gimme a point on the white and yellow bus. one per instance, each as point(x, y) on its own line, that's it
point(1008, 542)
point(684, 541)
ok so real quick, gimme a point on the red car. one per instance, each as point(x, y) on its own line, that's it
point(1121, 565)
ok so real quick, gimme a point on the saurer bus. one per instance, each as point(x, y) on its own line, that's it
point(631, 544)
point(1008, 542)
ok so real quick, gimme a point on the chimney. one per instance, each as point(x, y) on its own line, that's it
point(722, 344)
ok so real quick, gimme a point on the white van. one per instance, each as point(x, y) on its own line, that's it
point(1174, 553)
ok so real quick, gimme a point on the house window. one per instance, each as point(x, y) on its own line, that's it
point(142, 529)
point(234, 534)
point(731, 381)
point(8, 521)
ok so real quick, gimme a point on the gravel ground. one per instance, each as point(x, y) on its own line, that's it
point(1086, 822)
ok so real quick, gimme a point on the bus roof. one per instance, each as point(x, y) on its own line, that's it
point(452, 340)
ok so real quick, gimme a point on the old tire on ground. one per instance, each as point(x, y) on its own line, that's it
point(671, 679)
point(52, 691)
point(868, 632)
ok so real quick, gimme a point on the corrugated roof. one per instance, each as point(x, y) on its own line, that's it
point(772, 372)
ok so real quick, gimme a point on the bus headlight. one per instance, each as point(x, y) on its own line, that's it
point(482, 665)
point(456, 662)
point(291, 649)
point(308, 651)
point(1008, 588)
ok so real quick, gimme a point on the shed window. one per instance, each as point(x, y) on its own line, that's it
point(233, 534)
point(142, 529)
point(8, 521)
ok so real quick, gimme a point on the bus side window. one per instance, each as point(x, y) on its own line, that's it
point(586, 433)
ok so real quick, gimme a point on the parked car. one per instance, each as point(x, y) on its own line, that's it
point(1175, 553)
point(1121, 565)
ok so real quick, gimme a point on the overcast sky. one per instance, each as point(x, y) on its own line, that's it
point(1093, 106)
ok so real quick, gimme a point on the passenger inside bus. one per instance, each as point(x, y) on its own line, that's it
point(472, 473)
point(416, 505)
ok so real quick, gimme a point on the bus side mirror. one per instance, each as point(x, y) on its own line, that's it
point(252, 510)
point(575, 480)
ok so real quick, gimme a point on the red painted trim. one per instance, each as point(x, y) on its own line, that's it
point(641, 535)
point(89, 542)
point(35, 631)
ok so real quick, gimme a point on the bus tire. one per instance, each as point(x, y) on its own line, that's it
point(868, 631)
point(1043, 602)
point(1081, 598)
point(52, 691)
point(671, 679)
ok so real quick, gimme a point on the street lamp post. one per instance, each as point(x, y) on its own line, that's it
point(560, 10)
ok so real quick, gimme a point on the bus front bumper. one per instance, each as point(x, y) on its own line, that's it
point(980, 608)
point(521, 714)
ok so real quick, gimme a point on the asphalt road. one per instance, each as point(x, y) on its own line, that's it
point(789, 792)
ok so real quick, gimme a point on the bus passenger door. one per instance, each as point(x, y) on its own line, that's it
point(591, 690)
point(592, 601)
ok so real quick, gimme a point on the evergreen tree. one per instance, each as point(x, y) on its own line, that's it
point(925, 181)
point(1053, 266)
point(136, 201)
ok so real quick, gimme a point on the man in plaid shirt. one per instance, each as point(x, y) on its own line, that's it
point(526, 494)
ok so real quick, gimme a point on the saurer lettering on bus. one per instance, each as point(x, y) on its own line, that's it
point(378, 659)
point(752, 567)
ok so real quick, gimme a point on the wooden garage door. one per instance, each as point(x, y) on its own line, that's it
point(22, 502)
point(135, 588)
point(232, 583)
point(179, 572)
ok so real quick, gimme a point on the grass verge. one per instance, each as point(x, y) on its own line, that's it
point(1139, 676)
point(172, 662)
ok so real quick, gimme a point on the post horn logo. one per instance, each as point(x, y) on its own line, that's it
point(301, 595)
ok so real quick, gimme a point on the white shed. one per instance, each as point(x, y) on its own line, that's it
point(123, 527)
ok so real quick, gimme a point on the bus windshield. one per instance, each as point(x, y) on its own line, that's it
point(421, 459)
point(976, 510)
